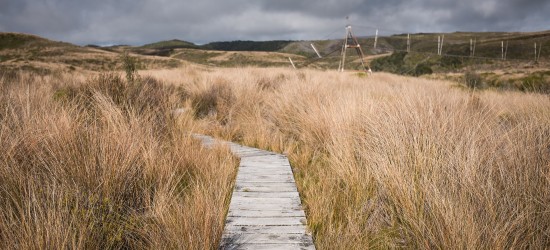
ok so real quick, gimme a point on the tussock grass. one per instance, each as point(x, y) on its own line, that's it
point(389, 161)
point(381, 161)
point(100, 164)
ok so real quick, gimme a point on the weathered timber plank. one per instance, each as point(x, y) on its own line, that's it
point(266, 246)
point(264, 178)
point(261, 187)
point(266, 213)
point(288, 229)
point(266, 186)
point(264, 194)
point(258, 200)
point(264, 221)
point(266, 238)
point(263, 206)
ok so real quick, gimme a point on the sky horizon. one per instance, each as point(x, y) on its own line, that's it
point(138, 22)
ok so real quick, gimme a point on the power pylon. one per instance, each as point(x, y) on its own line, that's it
point(350, 41)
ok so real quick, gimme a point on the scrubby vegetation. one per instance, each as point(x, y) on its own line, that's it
point(99, 163)
point(247, 45)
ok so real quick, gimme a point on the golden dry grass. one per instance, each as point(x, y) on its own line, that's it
point(389, 161)
point(381, 162)
point(100, 164)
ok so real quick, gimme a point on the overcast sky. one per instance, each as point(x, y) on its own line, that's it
point(138, 22)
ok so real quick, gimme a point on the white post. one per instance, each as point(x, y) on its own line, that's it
point(474, 51)
point(535, 52)
point(441, 48)
point(471, 46)
point(408, 43)
point(540, 50)
point(317, 52)
point(438, 44)
point(502, 50)
point(506, 50)
point(292, 63)
point(344, 49)
point(376, 39)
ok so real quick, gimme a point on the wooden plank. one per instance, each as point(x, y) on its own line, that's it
point(264, 221)
point(236, 239)
point(264, 178)
point(262, 173)
point(266, 213)
point(264, 170)
point(262, 187)
point(276, 200)
point(267, 246)
point(262, 165)
point(252, 181)
point(265, 194)
point(263, 206)
point(273, 173)
point(289, 229)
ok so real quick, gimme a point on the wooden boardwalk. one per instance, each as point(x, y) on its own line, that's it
point(265, 210)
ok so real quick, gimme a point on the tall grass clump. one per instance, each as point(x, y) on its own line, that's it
point(391, 162)
point(101, 164)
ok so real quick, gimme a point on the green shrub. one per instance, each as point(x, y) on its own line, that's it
point(472, 79)
point(129, 64)
point(216, 100)
point(422, 69)
point(393, 63)
point(536, 82)
point(451, 62)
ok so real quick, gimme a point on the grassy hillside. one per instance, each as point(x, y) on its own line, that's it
point(171, 44)
point(43, 56)
point(236, 58)
point(518, 71)
point(40, 55)
point(267, 46)
point(19, 40)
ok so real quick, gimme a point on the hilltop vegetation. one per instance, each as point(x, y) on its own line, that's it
point(267, 46)
point(31, 53)
point(171, 44)
point(19, 40)
point(43, 56)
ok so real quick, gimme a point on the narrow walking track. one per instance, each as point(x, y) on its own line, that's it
point(265, 210)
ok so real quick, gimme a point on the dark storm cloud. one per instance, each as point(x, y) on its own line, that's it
point(142, 21)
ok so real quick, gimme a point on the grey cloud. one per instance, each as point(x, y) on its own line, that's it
point(201, 21)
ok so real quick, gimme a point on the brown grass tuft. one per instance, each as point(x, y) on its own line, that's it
point(105, 167)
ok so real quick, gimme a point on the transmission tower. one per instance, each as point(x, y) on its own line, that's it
point(350, 41)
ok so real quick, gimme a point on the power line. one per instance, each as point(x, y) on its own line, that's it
point(408, 37)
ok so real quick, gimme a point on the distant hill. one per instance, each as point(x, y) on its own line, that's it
point(423, 58)
point(39, 55)
point(266, 46)
point(10, 40)
point(170, 44)
point(18, 50)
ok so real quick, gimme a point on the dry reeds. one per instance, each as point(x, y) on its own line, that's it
point(381, 162)
point(100, 164)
